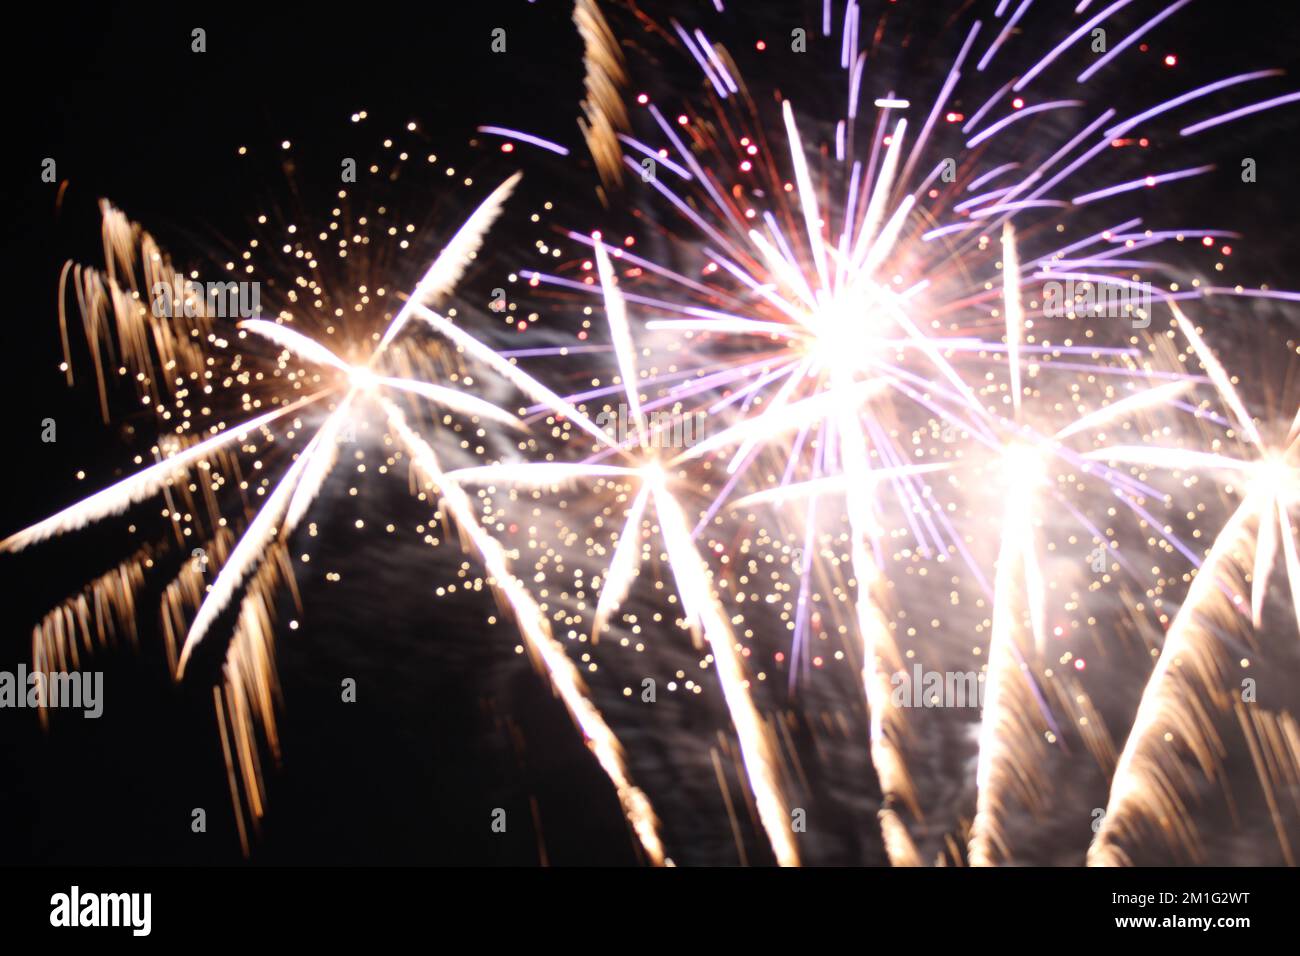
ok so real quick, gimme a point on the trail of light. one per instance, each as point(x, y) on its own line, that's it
point(451, 398)
point(980, 199)
point(681, 206)
point(295, 342)
point(1146, 181)
point(879, 655)
point(950, 81)
point(785, 271)
point(620, 334)
point(451, 262)
point(945, 230)
point(993, 173)
point(983, 111)
point(554, 350)
point(1015, 315)
point(904, 491)
point(587, 289)
point(718, 65)
point(521, 379)
point(1145, 399)
point(1214, 368)
point(1002, 765)
point(1018, 206)
point(756, 745)
point(1144, 788)
point(536, 632)
point(524, 138)
point(1064, 151)
point(319, 467)
point(1019, 115)
point(655, 155)
point(1173, 458)
point(1177, 101)
point(116, 498)
point(832, 484)
point(867, 233)
point(1002, 35)
point(688, 157)
point(1238, 114)
point(682, 390)
point(758, 384)
point(1057, 50)
point(1132, 38)
point(798, 646)
point(249, 552)
point(807, 195)
point(1291, 557)
point(884, 243)
point(618, 577)
point(626, 256)
point(762, 291)
point(699, 59)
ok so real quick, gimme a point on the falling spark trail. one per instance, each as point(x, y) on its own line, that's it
point(117, 498)
point(756, 744)
point(253, 544)
point(1008, 738)
point(880, 657)
point(1144, 791)
point(543, 647)
point(1015, 314)
point(454, 259)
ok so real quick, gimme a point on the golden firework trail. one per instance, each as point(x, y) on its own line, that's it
point(543, 647)
point(1010, 737)
point(604, 115)
point(1172, 720)
point(1012, 726)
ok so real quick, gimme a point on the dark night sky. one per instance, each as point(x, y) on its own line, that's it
point(450, 721)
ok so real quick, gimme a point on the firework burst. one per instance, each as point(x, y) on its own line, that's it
point(173, 344)
point(798, 275)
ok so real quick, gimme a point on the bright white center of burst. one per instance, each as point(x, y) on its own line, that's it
point(653, 473)
point(1275, 478)
point(363, 380)
point(849, 330)
point(1024, 470)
